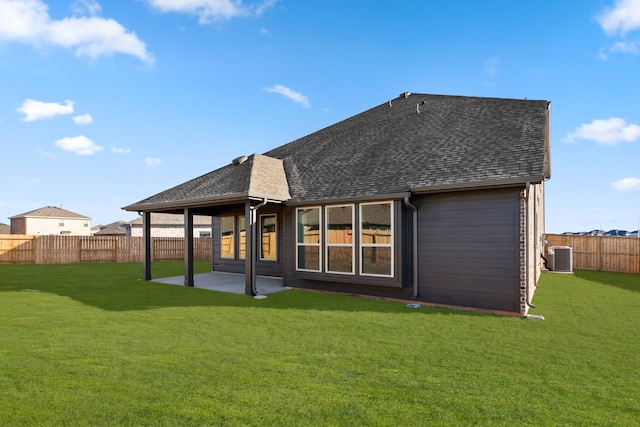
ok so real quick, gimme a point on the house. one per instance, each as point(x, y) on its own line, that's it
point(51, 220)
point(169, 225)
point(118, 228)
point(434, 198)
point(5, 228)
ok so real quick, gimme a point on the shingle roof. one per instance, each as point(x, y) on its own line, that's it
point(255, 176)
point(415, 142)
point(117, 228)
point(5, 228)
point(50, 212)
point(452, 140)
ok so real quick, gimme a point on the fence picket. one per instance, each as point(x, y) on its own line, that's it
point(23, 249)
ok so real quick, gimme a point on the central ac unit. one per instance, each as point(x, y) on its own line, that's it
point(561, 259)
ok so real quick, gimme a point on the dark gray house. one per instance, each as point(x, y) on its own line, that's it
point(431, 197)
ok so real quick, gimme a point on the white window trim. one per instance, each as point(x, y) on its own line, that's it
point(318, 245)
point(378, 245)
point(275, 233)
point(327, 245)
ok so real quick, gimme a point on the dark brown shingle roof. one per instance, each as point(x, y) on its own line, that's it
point(50, 212)
point(411, 143)
point(452, 140)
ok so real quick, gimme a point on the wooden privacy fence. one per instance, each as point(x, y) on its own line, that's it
point(603, 253)
point(23, 249)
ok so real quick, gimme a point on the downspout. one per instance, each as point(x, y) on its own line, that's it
point(254, 214)
point(415, 245)
point(526, 244)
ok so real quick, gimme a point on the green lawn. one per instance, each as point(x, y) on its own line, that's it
point(93, 345)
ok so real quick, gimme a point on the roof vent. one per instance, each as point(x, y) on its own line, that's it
point(404, 95)
point(239, 160)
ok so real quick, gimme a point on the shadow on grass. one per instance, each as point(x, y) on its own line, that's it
point(627, 281)
point(115, 287)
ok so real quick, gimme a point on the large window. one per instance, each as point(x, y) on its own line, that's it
point(268, 237)
point(308, 238)
point(339, 226)
point(376, 239)
point(242, 234)
point(351, 235)
point(227, 237)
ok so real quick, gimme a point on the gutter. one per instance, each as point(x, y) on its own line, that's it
point(415, 245)
point(254, 215)
point(478, 185)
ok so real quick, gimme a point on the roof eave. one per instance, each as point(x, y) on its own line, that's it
point(375, 197)
point(479, 185)
point(204, 202)
point(194, 203)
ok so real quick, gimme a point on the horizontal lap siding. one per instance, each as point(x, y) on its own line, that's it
point(469, 249)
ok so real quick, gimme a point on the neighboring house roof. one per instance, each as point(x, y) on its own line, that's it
point(416, 142)
point(5, 229)
point(50, 212)
point(163, 219)
point(117, 228)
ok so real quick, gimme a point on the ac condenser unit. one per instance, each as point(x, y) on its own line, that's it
point(561, 259)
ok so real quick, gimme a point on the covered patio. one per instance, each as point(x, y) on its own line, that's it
point(228, 282)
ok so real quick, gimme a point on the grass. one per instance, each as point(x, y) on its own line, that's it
point(93, 345)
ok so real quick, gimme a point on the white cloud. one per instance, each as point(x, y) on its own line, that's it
point(36, 110)
point(296, 97)
point(632, 47)
point(627, 184)
point(28, 22)
point(119, 150)
point(606, 132)
point(622, 18)
point(491, 66)
point(152, 161)
point(211, 10)
point(86, 7)
point(81, 145)
point(84, 119)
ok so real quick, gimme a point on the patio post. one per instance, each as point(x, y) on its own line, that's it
point(188, 247)
point(146, 241)
point(249, 259)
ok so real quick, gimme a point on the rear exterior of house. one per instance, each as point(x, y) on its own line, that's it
point(433, 198)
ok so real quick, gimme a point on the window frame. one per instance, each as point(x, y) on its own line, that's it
point(391, 245)
point(275, 233)
point(233, 237)
point(308, 244)
point(328, 244)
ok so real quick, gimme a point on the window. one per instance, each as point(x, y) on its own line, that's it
point(308, 239)
point(339, 229)
point(227, 240)
point(268, 240)
point(376, 239)
point(242, 233)
point(61, 223)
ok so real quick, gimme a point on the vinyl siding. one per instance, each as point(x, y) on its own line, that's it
point(469, 249)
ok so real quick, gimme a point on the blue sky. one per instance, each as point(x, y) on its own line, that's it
point(105, 103)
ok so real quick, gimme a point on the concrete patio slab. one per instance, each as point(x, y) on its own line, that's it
point(228, 282)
